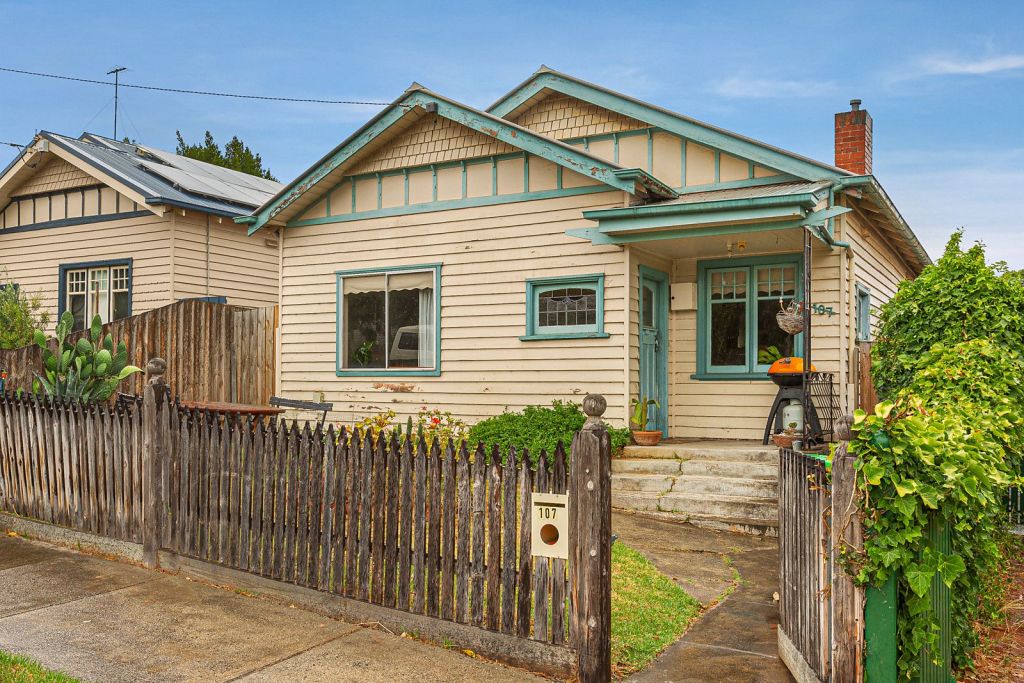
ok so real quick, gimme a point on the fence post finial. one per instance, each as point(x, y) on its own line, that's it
point(594, 406)
point(155, 369)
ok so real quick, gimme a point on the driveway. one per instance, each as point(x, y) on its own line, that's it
point(102, 620)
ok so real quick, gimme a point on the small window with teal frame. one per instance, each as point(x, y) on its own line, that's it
point(565, 307)
point(389, 321)
point(737, 334)
point(863, 313)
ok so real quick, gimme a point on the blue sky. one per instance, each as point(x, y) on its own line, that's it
point(944, 81)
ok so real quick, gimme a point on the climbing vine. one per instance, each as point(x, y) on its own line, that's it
point(947, 446)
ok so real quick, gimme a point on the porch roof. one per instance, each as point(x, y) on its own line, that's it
point(698, 214)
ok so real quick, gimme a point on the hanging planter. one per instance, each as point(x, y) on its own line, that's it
point(791, 317)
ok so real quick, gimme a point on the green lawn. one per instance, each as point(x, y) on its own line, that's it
point(17, 669)
point(649, 611)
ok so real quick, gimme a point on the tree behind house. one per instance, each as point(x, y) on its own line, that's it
point(20, 314)
point(236, 155)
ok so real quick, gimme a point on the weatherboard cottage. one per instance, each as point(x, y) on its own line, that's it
point(571, 240)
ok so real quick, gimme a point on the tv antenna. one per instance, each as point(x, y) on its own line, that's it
point(117, 72)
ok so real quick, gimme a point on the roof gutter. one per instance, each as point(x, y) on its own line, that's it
point(806, 200)
point(879, 196)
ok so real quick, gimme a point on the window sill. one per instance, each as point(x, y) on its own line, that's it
point(565, 335)
point(730, 376)
point(381, 372)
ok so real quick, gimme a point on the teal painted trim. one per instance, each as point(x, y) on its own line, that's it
point(380, 192)
point(650, 150)
point(718, 167)
point(662, 278)
point(494, 178)
point(731, 184)
point(863, 312)
point(597, 237)
point(526, 172)
point(327, 204)
point(621, 226)
point(433, 191)
point(611, 136)
point(615, 147)
point(705, 134)
point(322, 168)
point(564, 335)
point(558, 177)
point(555, 151)
point(405, 188)
point(451, 204)
point(803, 200)
point(340, 275)
point(750, 170)
point(682, 163)
point(753, 370)
point(646, 180)
point(534, 286)
point(465, 181)
point(352, 187)
point(731, 377)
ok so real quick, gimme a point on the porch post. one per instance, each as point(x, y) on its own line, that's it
point(807, 335)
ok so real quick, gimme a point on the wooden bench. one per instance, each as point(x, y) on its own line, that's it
point(311, 406)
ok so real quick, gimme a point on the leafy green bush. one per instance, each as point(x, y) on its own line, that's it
point(537, 428)
point(20, 314)
point(958, 298)
point(89, 369)
point(946, 447)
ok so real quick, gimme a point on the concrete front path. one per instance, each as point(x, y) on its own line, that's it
point(735, 640)
point(101, 620)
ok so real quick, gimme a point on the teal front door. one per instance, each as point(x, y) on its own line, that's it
point(654, 346)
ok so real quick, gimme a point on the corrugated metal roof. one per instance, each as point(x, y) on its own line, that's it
point(166, 178)
point(752, 192)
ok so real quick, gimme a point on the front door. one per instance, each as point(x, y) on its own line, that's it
point(654, 346)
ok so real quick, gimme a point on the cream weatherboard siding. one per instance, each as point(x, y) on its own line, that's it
point(215, 257)
point(487, 254)
point(33, 257)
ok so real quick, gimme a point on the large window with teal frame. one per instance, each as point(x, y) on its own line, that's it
point(565, 307)
point(737, 335)
point(389, 321)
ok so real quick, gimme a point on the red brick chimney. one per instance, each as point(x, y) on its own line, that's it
point(853, 140)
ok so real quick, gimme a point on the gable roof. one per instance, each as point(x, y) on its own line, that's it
point(418, 101)
point(151, 176)
point(546, 80)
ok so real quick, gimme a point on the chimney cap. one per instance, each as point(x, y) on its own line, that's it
point(855, 105)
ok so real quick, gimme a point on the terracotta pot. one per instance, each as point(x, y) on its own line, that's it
point(645, 438)
point(784, 440)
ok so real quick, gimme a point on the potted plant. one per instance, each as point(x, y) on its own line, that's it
point(638, 422)
point(786, 437)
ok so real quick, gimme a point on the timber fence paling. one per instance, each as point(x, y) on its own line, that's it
point(215, 352)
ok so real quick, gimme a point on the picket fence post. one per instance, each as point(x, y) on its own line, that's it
point(590, 545)
point(847, 630)
point(154, 451)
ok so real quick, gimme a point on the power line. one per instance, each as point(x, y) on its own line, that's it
point(192, 92)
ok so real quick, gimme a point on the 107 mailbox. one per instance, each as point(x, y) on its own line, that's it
point(550, 527)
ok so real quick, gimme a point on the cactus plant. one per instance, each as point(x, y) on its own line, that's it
point(88, 370)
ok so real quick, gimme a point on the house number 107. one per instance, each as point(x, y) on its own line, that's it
point(546, 512)
point(822, 310)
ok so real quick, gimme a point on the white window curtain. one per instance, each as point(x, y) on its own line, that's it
point(426, 340)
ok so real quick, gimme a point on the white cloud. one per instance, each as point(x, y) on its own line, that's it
point(951, 66)
point(765, 88)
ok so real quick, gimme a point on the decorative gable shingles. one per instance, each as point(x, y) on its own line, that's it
point(562, 117)
point(55, 175)
point(433, 140)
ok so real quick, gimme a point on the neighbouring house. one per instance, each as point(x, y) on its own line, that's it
point(101, 227)
point(568, 240)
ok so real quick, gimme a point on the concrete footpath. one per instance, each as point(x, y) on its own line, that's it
point(101, 620)
point(733, 641)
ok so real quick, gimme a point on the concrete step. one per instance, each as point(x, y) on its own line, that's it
point(657, 483)
point(729, 486)
point(644, 466)
point(717, 505)
point(644, 501)
point(730, 468)
point(738, 451)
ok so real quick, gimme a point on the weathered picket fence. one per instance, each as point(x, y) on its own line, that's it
point(831, 629)
point(215, 352)
point(438, 532)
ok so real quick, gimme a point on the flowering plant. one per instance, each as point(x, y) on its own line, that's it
point(441, 425)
